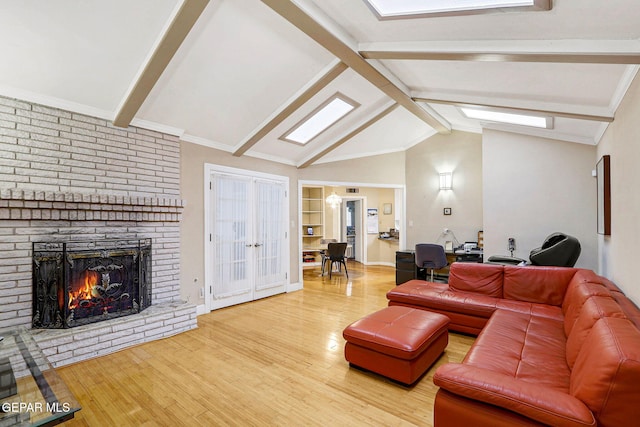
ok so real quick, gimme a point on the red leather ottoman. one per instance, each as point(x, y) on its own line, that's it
point(398, 342)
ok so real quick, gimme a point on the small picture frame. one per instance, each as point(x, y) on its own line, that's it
point(387, 208)
point(310, 231)
point(447, 211)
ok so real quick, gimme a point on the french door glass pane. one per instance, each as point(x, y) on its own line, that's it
point(270, 234)
point(231, 234)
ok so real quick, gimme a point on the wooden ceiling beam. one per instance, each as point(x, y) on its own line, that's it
point(177, 31)
point(559, 51)
point(326, 33)
point(570, 58)
point(518, 110)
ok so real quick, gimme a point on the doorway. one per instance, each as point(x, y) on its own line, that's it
point(352, 229)
point(246, 251)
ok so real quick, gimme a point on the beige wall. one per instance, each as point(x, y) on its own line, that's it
point(387, 169)
point(617, 253)
point(378, 251)
point(193, 158)
point(460, 153)
point(534, 187)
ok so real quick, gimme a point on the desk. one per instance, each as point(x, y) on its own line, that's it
point(406, 268)
point(31, 392)
point(472, 255)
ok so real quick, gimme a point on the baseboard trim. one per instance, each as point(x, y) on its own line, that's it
point(292, 287)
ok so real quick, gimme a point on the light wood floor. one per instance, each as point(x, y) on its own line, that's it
point(277, 361)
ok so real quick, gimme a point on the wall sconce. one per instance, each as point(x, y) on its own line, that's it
point(334, 200)
point(446, 180)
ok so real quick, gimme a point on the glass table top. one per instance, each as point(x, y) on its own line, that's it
point(31, 392)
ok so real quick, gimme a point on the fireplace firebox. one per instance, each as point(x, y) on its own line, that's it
point(77, 283)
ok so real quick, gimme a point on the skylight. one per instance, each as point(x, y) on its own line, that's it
point(399, 8)
point(510, 118)
point(320, 120)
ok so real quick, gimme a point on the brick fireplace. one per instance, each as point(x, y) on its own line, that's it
point(67, 177)
point(81, 282)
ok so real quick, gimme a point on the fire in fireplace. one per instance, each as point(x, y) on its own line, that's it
point(76, 283)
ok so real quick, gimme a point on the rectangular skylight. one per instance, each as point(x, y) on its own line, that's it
point(400, 8)
point(510, 118)
point(320, 120)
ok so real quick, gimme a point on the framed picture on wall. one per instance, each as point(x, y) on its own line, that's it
point(386, 208)
point(603, 174)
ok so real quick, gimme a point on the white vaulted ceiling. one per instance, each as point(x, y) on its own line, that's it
point(237, 74)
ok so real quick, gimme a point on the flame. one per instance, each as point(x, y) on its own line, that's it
point(85, 290)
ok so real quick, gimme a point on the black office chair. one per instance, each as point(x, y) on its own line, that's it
point(335, 254)
point(558, 250)
point(431, 257)
point(324, 252)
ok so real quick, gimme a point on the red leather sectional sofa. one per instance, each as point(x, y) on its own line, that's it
point(556, 346)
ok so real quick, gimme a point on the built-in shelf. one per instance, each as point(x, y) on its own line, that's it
point(312, 227)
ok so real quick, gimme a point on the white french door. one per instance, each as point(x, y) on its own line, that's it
point(247, 236)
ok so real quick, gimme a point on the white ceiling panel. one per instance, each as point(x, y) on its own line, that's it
point(398, 131)
point(239, 64)
point(83, 52)
point(540, 82)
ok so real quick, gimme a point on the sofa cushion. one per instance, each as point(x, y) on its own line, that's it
point(606, 373)
point(593, 309)
point(483, 279)
point(525, 347)
point(542, 285)
point(540, 310)
point(577, 294)
point(418, 293)
point(536, 402)
point(630, 309)
point(586, 275)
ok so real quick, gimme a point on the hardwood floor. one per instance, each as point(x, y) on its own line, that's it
point(277, 361)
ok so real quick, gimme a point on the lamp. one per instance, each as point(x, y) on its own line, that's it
point(446, 180)
point(448, 233)
point(334, 200)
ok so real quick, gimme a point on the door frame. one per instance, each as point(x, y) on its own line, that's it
point(401, 195)
point(209, 169)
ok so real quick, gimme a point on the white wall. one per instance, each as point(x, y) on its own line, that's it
point(618, 252)
point(534, 187)
point(460, 153)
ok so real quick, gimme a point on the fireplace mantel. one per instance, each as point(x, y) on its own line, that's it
point(49, 205)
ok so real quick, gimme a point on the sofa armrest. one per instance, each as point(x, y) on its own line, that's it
point(537, 402)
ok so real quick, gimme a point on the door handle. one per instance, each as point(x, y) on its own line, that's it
point(249, 245)
point(257, 245)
